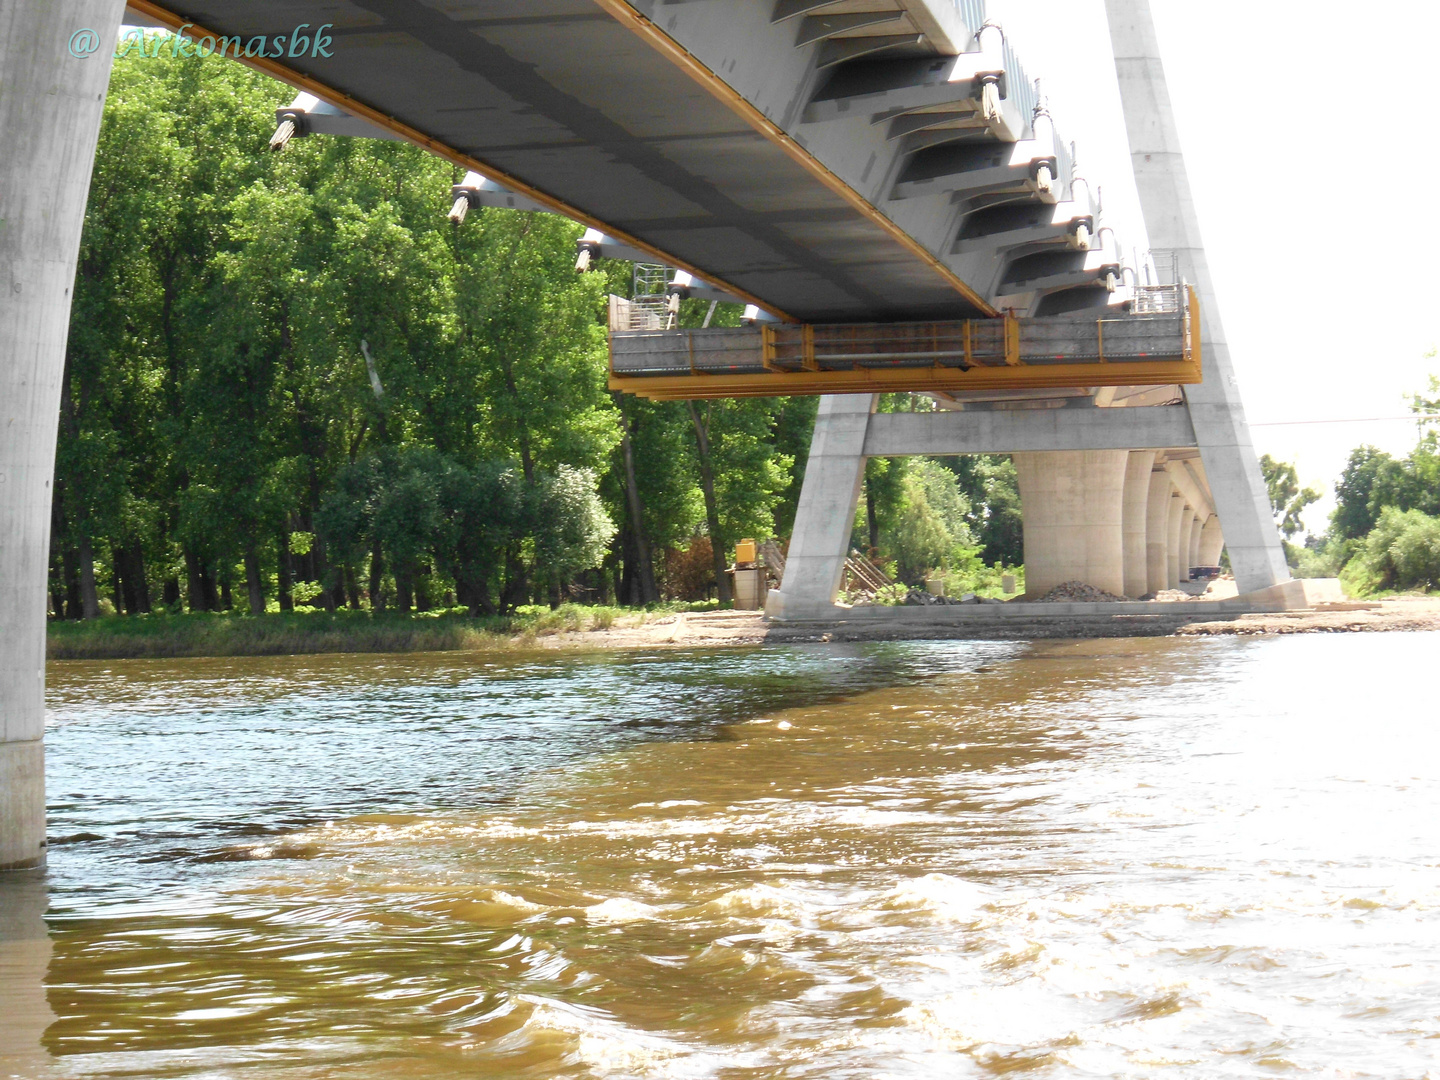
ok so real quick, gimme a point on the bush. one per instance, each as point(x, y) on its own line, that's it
point(1401, 552)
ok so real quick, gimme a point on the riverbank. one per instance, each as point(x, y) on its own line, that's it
point(306, 632)
point(576, 627)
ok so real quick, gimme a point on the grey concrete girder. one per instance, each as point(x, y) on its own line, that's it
point(912, 123)
point(965, 170)
point(1185, 483)
point(788, 9)
point(815, 28)
point(1012, 431)
point(837, 50)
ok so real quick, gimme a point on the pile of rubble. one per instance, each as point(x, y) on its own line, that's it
point(920, 597)
point(1079, 592)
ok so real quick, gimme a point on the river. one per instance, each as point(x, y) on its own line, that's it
point(1209, 857)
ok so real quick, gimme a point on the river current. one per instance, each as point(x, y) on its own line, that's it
point(1157, 857)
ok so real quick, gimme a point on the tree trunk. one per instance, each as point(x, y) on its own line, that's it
point(137, 579)
point(252, 582)
point(73, 607)
point(712, 508)
point(122, 592)
point(89, 599)
point(352, 588)
point(195, 598)
point(404, 594)
point(333, 595)
point(171, 593)
point(57, 585)
point(872, 523)
point(284, 571)
point(645, 567)
point(224, 601)
point(377, 576)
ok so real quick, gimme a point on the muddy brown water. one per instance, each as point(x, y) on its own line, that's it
point(1132, 858)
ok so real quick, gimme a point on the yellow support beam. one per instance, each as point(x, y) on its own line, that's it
point(911, 380)
point(943, 358)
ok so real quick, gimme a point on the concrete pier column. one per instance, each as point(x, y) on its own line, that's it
point(1216, 411)
point(1172, 540)
point(1195, 532)
point(1182, 544)
point(1135, 510)
point(50, 107)
point(1072, 503)
point(1157, 516)
point(1212, 541)
point(826, 511)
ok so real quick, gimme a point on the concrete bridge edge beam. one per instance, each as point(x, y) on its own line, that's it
point(1135, 522)
point(51, 103)
point(1216, 410)
point(825, 515)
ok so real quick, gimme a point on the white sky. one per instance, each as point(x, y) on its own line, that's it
point(1309, 131)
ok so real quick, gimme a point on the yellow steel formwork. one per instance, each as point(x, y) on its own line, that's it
point(952, 357)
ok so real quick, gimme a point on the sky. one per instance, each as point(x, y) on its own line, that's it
point(1310, 136)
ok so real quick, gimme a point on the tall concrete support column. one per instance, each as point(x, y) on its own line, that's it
point(1221, 431)
point(50, 107)
point(1195, 532)
point(1172, 540)
point(1135, 520)
point(1157, 516)
point(1182, 544)
point(826, 511)
point(1072, 503)
point(1212, 540)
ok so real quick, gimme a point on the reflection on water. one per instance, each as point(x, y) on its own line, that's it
point(1118, 858)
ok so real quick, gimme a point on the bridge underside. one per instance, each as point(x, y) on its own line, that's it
point(580, 109)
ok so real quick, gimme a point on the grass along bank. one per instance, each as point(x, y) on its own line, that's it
point(285, 633)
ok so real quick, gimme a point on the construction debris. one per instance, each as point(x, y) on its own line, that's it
point(1079, 592)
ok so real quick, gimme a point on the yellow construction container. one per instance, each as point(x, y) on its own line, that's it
point(744, 552)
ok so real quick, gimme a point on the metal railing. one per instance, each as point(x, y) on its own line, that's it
point(1158, 299)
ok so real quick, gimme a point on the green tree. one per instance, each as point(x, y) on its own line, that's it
point(1287, 499)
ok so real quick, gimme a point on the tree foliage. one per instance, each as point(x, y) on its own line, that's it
point(289, 379)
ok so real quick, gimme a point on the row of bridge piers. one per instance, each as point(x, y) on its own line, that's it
point(1131, 523)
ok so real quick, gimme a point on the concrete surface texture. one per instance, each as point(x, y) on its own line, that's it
point(1172, 540)
point(1182, 546)
point(1222, 433)
point(1136, 521)
point(826, 511)
point(1212, 541)
point(1157, 516)
point(50, 108)
point(1073, 503)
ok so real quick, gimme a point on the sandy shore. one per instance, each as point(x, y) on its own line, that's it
point(744, 628)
